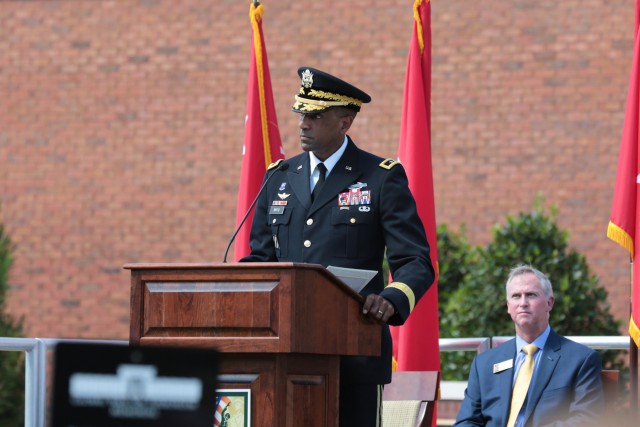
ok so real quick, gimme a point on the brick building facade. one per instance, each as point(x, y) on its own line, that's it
point(121, 128)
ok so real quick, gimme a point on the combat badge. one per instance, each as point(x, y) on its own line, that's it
point(357, 185)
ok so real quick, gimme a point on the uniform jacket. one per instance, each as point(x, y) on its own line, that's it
point(364, 206)
point(566, 388)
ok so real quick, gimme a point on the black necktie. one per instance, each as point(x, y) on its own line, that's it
point(318, 187)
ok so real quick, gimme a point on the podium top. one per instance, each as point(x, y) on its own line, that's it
point(223, 265)
point(249, 307)
point(359, 281)
point(230, 266)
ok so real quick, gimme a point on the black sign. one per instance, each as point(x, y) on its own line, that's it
point(100, 385)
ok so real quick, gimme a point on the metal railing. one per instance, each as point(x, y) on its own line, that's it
point(596, 343)
point(36, 363)
point(35, 381)
point(465, 344)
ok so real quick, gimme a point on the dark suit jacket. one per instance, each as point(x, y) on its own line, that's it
point(566, 388)
point(352, 236)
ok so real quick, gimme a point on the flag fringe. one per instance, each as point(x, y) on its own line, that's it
point(621, 237)
point(255, 13)
point(634, 332)
point(416, 17)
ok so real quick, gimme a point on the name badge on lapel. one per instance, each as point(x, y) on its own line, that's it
point(502, 366)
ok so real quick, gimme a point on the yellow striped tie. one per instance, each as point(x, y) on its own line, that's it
point(522, 384)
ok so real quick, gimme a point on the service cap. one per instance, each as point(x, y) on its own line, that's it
point(320, 91)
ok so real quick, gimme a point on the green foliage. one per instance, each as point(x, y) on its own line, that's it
point(472, 286)
point(12, 368)
point(459, 261)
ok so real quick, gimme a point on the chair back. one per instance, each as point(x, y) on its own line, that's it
point(409, 400)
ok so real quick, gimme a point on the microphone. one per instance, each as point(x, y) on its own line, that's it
point(281, 167)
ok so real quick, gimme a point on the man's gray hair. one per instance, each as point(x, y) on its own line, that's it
point(544, 281)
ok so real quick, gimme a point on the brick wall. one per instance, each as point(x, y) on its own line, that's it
point(121, 127)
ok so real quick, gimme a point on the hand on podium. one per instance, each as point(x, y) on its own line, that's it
point(378, 309)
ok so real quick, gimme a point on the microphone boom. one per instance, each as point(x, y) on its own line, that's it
point(281, 168)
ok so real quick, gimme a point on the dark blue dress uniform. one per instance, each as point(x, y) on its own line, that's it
point(354, 235)
point(364, 209)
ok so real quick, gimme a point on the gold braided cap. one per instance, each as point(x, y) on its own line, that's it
point(320, 91)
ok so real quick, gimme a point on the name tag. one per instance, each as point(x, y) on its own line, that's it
point(502, 366)
point(276, 210)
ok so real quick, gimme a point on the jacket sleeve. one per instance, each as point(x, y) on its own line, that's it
point(470, 413)
point(407, 247)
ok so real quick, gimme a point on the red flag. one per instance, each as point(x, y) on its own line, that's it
point(625, 211)
point(416, 342)
point(262, 144)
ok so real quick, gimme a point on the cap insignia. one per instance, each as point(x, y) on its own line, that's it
point(307, 79)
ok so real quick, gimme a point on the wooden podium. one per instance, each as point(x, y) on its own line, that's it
point(281, 329)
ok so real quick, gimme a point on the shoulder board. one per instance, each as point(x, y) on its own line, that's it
point(274, 164)
point(388, 163)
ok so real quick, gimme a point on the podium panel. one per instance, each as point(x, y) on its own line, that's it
point(285, 389)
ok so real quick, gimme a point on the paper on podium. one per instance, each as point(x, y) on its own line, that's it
point(355, 278)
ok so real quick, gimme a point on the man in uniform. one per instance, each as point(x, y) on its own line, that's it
point(338, 205)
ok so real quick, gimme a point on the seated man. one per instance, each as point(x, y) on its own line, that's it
point(539, 378)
